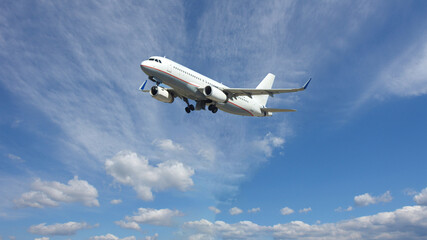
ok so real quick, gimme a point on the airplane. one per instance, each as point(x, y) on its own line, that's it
point(188, 84)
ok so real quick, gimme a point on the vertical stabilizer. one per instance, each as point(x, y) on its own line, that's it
point(266, 83)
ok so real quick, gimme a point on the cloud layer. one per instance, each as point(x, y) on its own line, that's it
point(406, 223)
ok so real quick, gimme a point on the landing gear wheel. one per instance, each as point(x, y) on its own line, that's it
point(211, 107)
point(187, 109)
point(191, 107)
point(215, 110)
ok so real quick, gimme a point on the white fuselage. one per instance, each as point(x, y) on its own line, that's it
point(187, 83)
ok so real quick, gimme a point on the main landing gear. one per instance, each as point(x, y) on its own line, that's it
point(190, 107)
point(213, 108)
point(200, 105)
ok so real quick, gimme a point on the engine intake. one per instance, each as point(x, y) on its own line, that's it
point(215, 94)
point(161, 94)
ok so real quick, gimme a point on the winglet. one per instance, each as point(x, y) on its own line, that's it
point(143, 86)
point(306, 84)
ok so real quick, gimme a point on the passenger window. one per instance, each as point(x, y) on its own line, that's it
point(156, 60)
point(160, 61)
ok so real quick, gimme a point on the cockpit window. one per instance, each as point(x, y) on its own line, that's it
point(153, 59)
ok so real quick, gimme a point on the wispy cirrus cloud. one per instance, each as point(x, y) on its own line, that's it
point(404, 76)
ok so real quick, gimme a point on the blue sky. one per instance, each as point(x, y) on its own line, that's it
point(85, 155)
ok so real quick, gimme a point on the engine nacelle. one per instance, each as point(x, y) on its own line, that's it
point(161, 94)
point(215, 94)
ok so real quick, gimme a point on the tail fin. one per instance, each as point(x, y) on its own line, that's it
point(266, 83)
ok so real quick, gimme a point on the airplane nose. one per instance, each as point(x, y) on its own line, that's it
point(143, 65)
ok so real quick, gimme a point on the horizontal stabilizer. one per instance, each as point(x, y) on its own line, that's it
point(277, 110)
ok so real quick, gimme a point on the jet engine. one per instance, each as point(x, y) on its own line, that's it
point(161, 94)
point(215, 94)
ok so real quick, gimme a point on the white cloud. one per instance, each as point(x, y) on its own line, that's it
point(340, 209)
point(52, 193)
point(207, 230)
point(366, 199)
point(154, 237)
point(408, 222)
point(254, 210)
point(404, 76)
point(42, 238)
point(15, 158)
point(130, 169)
point(110, 236)
point(128, 225)
point(159, 217)
point(305, 210)
point(65, 229)
point(214, 209)
point(116, 201)
point(421, 198)
point(235, 211)
point(167, 145)
point(286, 211)
point(268, 143)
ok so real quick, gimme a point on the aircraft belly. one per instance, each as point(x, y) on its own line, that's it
point(231, 107)
point(181, 87)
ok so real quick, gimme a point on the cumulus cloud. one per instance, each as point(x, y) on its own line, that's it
point(205, 229)
point(110, 236)
point(167, 145)
point(128, 225)
point(42, 238)
point(268, 143)
point(214, 209)
point(366, 199)
point(254, 210)
point(286, 211)
point(52, 193)
point(421, 198)
point(130, 169)
point(408, 222)
point(64, 229)
point(305, 210)
point(235, 211)
point(159, 217)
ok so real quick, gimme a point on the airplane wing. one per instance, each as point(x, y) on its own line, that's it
point(234, 92)
point(277, 110)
